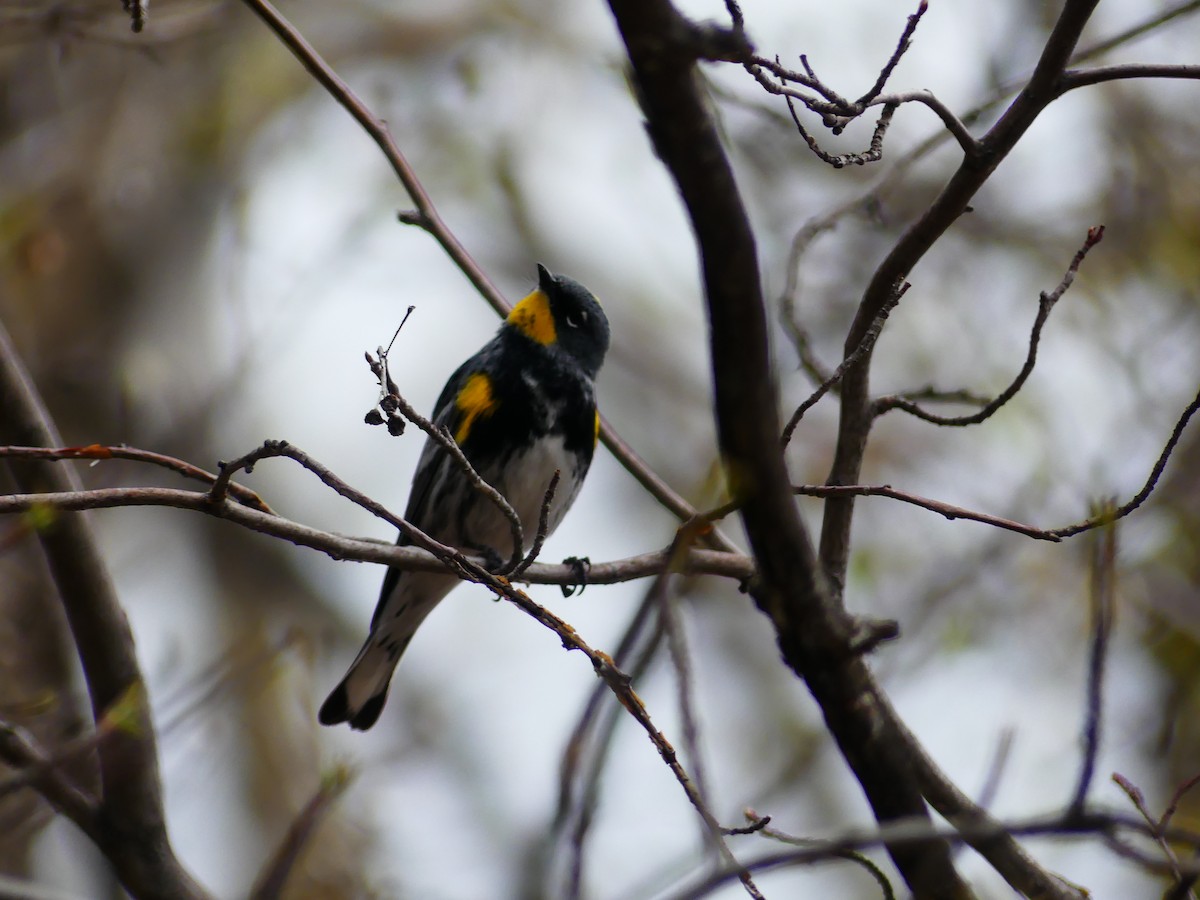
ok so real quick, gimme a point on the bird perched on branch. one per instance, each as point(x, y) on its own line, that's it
point(520, 409)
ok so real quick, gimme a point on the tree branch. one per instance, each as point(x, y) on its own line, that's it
point(1046, 303)
point(814, 631)
point(644, 565)
point(856, 413)
point(134, 836)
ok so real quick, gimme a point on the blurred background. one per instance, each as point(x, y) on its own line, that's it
point(197, 245)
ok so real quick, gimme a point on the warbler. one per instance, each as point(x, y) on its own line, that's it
point(520, 409)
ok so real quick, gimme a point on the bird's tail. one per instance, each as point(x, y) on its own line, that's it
point(359, 697)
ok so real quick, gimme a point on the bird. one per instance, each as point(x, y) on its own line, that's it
point(520, 409)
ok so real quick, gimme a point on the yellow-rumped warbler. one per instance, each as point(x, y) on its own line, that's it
point(520, 408)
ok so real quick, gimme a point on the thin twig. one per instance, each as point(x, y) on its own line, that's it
point(131, 791)
point(440, 435)
point(954, 125)
point(591, 740)
point(1107, 825)
point(854, 856)
point(902, 46)
point(1138, 799)
point(873, 153)
point(38, 769)
point(1046, 303)
point(1151, 482)
point(271, 883)
point(542, 530)
point(864, 348)
point(995, 770)
point(944, 509)
point(461, 565)
point(102, 452)
point(1073, 79)
point(673, 630)
point(1103, 587)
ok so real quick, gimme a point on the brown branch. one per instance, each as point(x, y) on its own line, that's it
point(814, 633)
point(873, 153)
point(465, 567)
point(101, 452)
point(591, 741)
point(836, 108)
point(271, 883)
point(1108, 826)
point(1073, 79)
point(839, 373)
point(644, 565)
point(543, 528)
point(42, 771)
point(677, 650)
point(1046, 303)
point(902, 46)
point(944, 509)
point(1151, 482)
point(857, 412)
point(1138, 799)
point(134, 837)
point(1103, 588)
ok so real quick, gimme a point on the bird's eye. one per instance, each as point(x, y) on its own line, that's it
point(574, 321)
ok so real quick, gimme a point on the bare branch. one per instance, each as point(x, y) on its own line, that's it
point(1073, 79)
point(1135, 31)
point(902, 46)
point(1046, 303)
point(543, 527)
point(274, 878)
point(814, 631)
point(131, 794)
point(1108, 825)
point(1156, 826)
point(586, 751)
point(1103, 588)
point(1151, 482)
point(393, 401)
point(42, 771)
point(956, 126)
point(857, 410)
point(864, 348)
point(102, 452)
point(759, 826)
point(945, 509)
point(698, 562)
point(873, 153)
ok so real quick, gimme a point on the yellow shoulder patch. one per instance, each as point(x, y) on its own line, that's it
point(473, 401)
point(532, 316)
point(596, 435)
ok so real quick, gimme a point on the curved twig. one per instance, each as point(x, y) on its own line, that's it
point(1046, 303)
